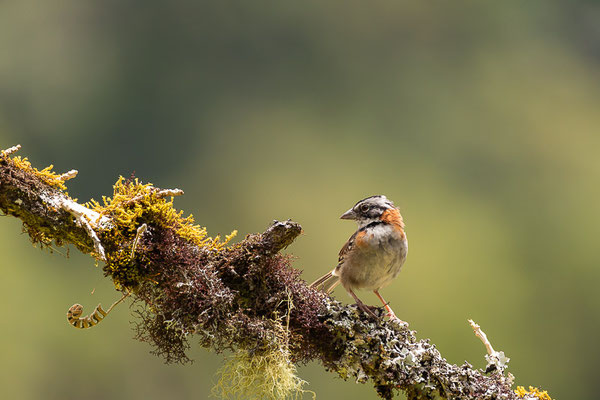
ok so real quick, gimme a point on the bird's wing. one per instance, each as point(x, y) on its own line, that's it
point(347, 248)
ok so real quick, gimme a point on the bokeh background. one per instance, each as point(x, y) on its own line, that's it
point(479, 119)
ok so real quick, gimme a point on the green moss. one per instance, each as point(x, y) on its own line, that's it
point(37, 236)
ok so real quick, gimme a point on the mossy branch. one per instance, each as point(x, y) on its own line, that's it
point(244, 297)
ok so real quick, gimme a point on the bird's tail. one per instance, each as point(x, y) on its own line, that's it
point(327, 282)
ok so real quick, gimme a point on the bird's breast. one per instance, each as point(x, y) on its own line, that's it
point(376, 260)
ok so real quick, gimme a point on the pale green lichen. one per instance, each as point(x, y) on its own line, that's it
point(267, 374)
point(270, 375)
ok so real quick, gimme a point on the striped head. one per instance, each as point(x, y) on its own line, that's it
point(372, 209)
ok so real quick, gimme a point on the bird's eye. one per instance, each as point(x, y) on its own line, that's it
point(364, 208)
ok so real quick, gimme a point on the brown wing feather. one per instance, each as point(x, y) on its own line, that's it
point(330, 280)
point(347, 247)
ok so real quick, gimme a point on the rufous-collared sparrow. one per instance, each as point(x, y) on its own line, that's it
point(373, 255)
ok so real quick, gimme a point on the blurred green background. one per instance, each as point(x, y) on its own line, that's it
point(479, 119)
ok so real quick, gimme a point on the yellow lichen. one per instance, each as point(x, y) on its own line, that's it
point(134, 202)
point(46, 175)
point(532, 393)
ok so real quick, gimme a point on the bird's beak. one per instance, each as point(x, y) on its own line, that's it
point(350, 214)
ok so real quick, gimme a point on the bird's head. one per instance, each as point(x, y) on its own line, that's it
point(369, 210)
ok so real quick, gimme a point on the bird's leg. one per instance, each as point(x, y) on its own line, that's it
point(391, 313)
point(360, 304)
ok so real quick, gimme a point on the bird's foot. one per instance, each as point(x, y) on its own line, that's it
point(366, 309)
point(395, 319)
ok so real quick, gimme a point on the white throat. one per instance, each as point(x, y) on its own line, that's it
point(366, 221)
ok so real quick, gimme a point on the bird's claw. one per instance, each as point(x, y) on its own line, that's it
point(397, 320)
point(366, 309)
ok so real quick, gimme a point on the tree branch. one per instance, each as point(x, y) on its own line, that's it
point(230, 297)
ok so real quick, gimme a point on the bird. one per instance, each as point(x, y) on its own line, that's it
point(373, 255)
